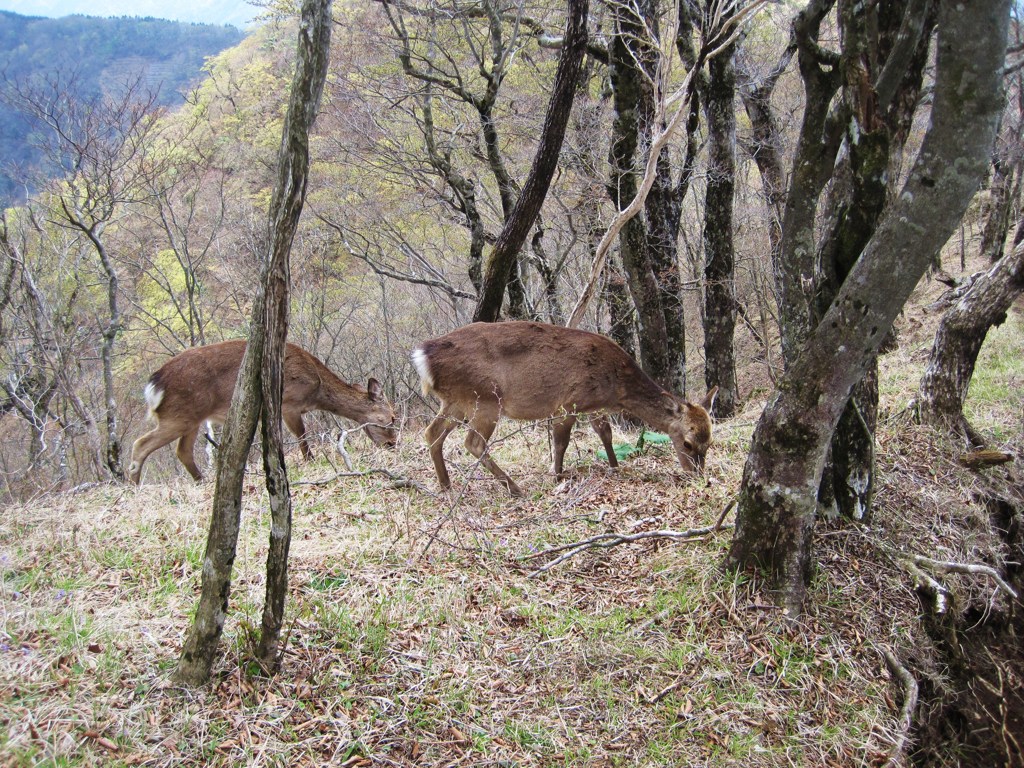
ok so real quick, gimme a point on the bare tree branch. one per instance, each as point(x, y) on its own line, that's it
point(671, 113)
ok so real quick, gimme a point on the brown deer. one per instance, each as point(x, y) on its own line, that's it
point(196, 385)
point(527, 370)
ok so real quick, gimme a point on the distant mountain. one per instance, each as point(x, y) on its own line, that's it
point(100, 52)
point(235, 12)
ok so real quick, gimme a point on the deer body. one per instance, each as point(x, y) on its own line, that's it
point(196, 386)
point(529, 371)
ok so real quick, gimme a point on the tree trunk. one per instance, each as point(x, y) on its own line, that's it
point(197, 654)
point(463, 190)
point(848, 479)
point(1005, 184)
point(109, 333)
point(633, 60)
point(884, 67)
point(817, 145)
point(776, 509)
point(503, 257)
point(621, 325)
point(258, 392)
point(719, 256)
point(962, 331)
point(663, 209)
point(313, 56)
point(851, 469)
point(766, 146)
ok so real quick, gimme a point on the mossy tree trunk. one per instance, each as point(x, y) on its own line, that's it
point(260, 382)
point(961, 333)
point(777, 500)
point(720, 304)
point(817, 145)
point(648, 242)
point(884, 55)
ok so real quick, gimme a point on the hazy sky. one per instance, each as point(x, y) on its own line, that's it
point(237, 12)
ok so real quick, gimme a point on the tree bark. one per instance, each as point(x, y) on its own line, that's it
point(1004, 193)
point(504, 255)
point(884, 54)
point(961, 334)
point(719, 253)
point(766, 146)
point(109, 332)
point(817, 145)
point(260, 382)
point(776, 508)
point(634, 65)
point(313, 56)
point(463, 190)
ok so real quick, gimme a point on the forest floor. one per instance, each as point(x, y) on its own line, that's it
point(429, 629)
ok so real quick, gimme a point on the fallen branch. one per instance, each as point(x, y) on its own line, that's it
point(609, 540)
point(906, 711)
point(343, 435)
point(721, 517)
point(972, 568)
point(984, 458)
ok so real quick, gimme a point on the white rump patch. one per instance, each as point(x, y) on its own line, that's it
point(153, 397)
point(422, 365)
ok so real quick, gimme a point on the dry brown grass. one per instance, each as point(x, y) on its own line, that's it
point(416, 637)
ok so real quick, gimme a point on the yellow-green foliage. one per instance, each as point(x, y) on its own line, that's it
point(245, 96)
point(159, 308)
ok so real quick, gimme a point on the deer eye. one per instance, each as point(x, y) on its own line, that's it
point(688, 446)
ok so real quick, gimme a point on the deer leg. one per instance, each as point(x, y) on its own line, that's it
point(149, 442)
point(293, 420)
point(561, 430)
point(603, 428)
point(481, 427)
point(186, 446)
point(436, 433)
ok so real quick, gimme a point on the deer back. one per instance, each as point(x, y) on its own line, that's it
point(197, 384)
point(532, 370)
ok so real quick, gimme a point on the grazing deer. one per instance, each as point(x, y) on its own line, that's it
point(196, 385)
point(527, 370)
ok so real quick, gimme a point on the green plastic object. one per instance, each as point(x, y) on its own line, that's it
point(624, 450)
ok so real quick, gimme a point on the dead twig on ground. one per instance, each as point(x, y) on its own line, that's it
point(721, 517)
point(611, 539)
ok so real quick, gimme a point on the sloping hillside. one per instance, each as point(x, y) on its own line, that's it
point(421, 630)
point(96, 55)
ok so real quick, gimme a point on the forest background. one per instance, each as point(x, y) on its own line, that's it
point(427, 130)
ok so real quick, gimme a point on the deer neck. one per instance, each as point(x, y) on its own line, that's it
point(647, 401)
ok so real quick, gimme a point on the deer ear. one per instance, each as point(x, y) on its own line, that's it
point(709, 399)
point(672, 405)
point(373, 388)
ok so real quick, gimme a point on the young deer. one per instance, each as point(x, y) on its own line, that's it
point(532, 371)
point(196, 385)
